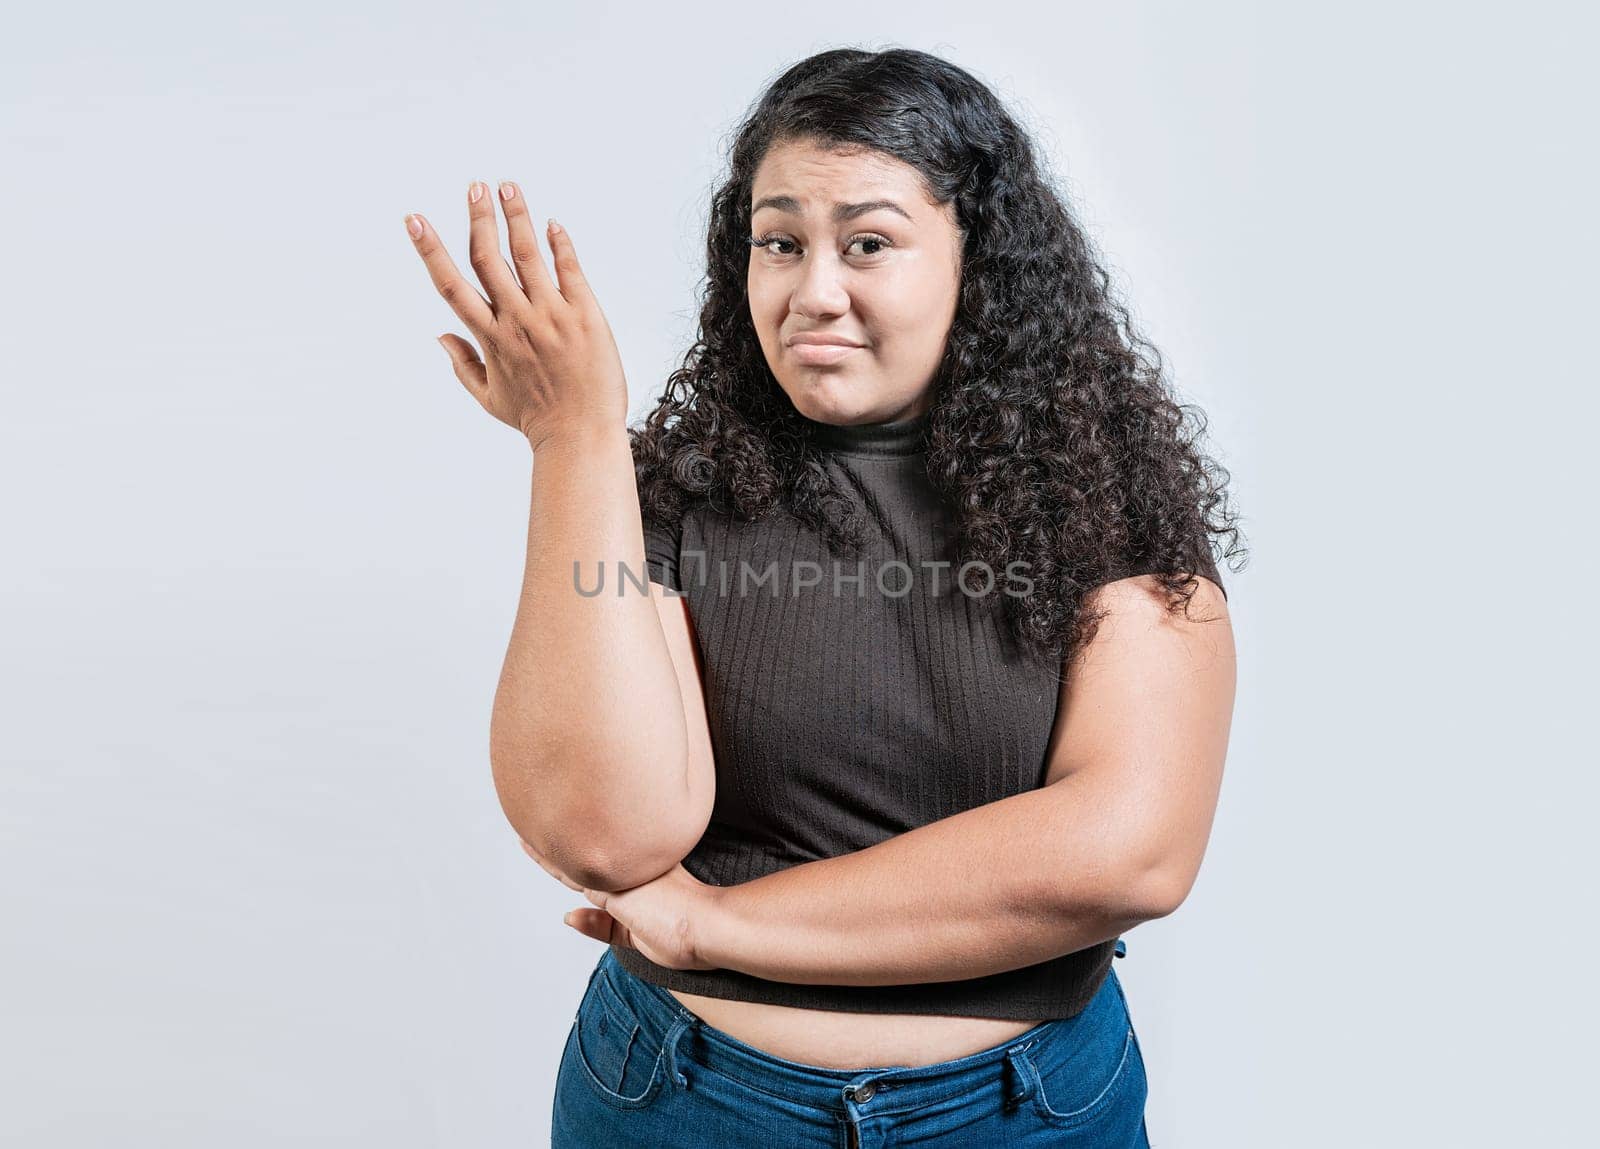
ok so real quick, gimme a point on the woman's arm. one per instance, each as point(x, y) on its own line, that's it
point(593, 751)
point(1114, 837)
point(590, 743)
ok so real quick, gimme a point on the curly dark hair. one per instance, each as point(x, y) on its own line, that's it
point(1051, 432)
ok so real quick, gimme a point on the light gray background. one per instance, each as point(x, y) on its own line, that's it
point(262, 550)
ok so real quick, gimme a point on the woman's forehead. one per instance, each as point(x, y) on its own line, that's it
point(808, 171)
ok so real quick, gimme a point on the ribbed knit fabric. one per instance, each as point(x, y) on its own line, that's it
point(840, 720)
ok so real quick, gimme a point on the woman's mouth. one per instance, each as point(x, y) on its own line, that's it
point(820, 354)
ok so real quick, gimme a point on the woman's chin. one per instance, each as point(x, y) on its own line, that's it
point(828, 398)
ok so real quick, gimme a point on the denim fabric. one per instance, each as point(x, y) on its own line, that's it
point(641, 1070)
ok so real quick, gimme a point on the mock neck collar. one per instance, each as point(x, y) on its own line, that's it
point(872, 440)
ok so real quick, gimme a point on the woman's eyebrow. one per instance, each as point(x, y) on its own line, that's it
point(841, 211)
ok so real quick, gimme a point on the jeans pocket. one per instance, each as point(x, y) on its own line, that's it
point(614, 1049)
point(1096, 1088)
point(1087, 1070)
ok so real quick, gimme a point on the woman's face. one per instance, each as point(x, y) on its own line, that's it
point(855, 252)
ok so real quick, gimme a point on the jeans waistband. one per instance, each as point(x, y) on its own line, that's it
point(687, 1041)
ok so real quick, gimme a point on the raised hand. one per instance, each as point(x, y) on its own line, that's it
point(550, 364)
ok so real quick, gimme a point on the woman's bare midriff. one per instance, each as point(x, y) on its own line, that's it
point(837, 1039)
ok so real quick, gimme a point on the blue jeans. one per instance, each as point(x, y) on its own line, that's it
point(639, 1069)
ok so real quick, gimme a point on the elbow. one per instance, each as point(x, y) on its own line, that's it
point(615, 861)
point(1155, 873)
point(1152, 892)
point(641, 850)
point(626, 869)
point(599, 849)
point(1143, 885)
point(607, 864)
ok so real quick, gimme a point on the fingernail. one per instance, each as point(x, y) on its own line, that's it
point(566, 918)
point(553, 225)
point(414, 225)
point(475, 191)
point(507, 191)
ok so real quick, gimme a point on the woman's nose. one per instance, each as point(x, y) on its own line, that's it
point(821, 290)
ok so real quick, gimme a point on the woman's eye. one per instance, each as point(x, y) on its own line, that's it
point(766, 242)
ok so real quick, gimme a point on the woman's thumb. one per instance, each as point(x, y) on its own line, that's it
point(472, 373)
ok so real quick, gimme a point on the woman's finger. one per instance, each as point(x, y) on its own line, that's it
point(599, 925)
point(483, 243)
point(573, 284)
point(462, 297)
point(524, 244)
point(468, 367)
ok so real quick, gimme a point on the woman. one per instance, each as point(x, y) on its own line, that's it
point(926, 698)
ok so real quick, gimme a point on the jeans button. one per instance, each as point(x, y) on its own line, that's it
point(866, 1091)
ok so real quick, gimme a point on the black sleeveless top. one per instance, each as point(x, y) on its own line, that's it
point(853, 697)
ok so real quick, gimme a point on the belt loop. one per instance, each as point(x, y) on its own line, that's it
point(670, 1046)
point(1018, 1082)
